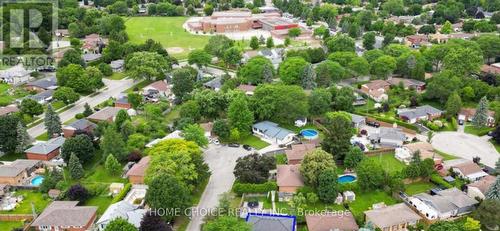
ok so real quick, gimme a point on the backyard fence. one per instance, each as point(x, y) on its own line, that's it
point(379, 151)
point(16, 217)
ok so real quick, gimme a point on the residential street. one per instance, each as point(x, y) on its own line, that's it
point(221, 160)
point(466, 146)
point(115, 87)
point(211, 70)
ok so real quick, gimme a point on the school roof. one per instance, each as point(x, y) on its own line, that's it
point(332, 221)
point(65, 213)
point(267, 222)
point(289, 176)
point(392, 215)
point(46, 147)
point(16, 167)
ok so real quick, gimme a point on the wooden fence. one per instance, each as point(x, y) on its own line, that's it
point(379, 151)
point(16, 217)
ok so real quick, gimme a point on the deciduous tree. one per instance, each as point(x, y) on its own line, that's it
point(339, 133)
point(166, 192)
point(328, 186)
point(254, 168)
point(80, 145)
point(315, 162)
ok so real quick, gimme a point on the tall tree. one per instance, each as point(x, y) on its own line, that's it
point(75, 167)
point(269, 42)
point(112, 143)
point(353, 157)
point(493, 192)
point(291, 69)
point(254, 168)
point(447, 28)
point(31, 107)
point(147, 65)
point(239, 114)
point(315, 162)
point(153, 222)
point(87, 110)
point(120, 224)
point(81, 145)
point(339, 133)
point(255, 70)
point(112, 166)
point(481, 116)
point(52, 122)
point(199, 57)
point(195, 133)
point(268, 73)
point(23, 138)
point(453, 105)
point(254, 43)
point(370, 175)
point(309, 77)
point(166, 192)
point(488, 213)
point(319, 101)
point(328, 185)
point(183, 81)
point(369, 40)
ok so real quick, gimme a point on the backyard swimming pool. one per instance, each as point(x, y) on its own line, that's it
point(37, 180)
point(309, 134)
point(348, 178)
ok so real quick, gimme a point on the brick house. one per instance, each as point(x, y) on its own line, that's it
point(106, 114)
point(79, 125)
point(297, 152)
point(138, 171)
point(289, 178)
point(123, 103)
point(45, 151)
point(376, 89)
point(18, 171)
point(425, 112)
point(393, 217)
point(467, 114)
point(66, 215)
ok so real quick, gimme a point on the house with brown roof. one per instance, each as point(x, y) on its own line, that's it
point(138, 171)
point(123, 103)
point(491, 69)
point(289, 178)
point(405, 153)
point(393, 217)
point(469, 170)
point(66, 215)
point(417, 40)
point(408, 84)
point(377, 90)
point(157, 89)
point(341, 221)
point(106, 114)
point(296, 153)
point(479, 188)
point(7, 110)
point(247, 88)
point(45, 150)
point(18, 171)
point(92, 44)
point(467, 114)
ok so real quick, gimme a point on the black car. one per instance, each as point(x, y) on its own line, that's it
point(233, 145)
point(373, 124)
point(460, 122)
point(247, 147)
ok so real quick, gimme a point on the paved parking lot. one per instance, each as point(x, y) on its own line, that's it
point(466, 146)
point(221, 160)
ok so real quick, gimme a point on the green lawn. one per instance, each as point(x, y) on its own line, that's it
point(280, 158)
point(99, 175)
point(446, 156)
point(254, 142)
point(30, 196)
point(5, 98)
point(117, 76)
point(418, 187)
point(58, 105)
point(12, 157)
point(10, 225)
point(102, 202)
point(166, 30)
point(388, 162)
point(497, 146)
point(365, 200)
point(476, 131)
point(43, 137)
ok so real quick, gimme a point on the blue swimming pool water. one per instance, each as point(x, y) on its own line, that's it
point(346, 179)
point(37, 180)
point(309, 133)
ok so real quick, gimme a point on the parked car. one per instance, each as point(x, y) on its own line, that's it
point(234, 145)
point(373, 124)
point(247, 147)
point(460, 122)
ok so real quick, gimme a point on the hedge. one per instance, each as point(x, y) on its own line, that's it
point(240, 188)
point(122, 193)
point(437, 179)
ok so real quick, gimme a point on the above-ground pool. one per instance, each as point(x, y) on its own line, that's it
point(348, 178)
point(37, 180)
point(309, 134)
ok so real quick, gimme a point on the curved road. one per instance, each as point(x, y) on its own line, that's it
point(114, 89)
point(466, 146)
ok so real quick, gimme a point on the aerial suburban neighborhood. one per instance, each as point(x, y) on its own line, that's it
point(261, 115)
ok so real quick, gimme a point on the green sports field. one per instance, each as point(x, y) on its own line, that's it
point(166, 30)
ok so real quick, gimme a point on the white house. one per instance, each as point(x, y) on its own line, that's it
point(445, 204)
point(469, 170)
point(273, 133)
point(405, 153)
point(388, 137)
point(15, 75)
point(122, 209)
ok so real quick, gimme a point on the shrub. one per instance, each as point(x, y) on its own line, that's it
point(79, 116)
point(122, 193)
point(438, 123)
point(437, 179)
point(240, 188)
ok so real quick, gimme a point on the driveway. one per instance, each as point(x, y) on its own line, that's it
point(221, 160)
point(115, 88)
point(466, 146)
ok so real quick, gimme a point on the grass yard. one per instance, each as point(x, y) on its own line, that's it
point(280, 158)
point(418, 187)
point(99, 175)
point(497, 146)
point(30, 196)
point(10, 225)
point(254, 142)
point(471, 129)
point(446, 156)
point(102, 202)
point(12, 157)
point(117, 76)
point(5, 98)
point(43, 137)
point(166, 30)
point(365, 200)
point(388, 162)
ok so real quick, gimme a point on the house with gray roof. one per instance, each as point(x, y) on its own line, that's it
point(274, 222)
point(117, 65)
point(90, 57)
point(79, 125)
point(43, 97)
point(357, 120)
point(413, 115)
point(122, 209)
point(15, 75)
point(18, 171)
point(272, 133)
point(214, 84)
point(66, 215)
point(445, 204)
point(49, 83)
point(388, 137)
point(45, 150)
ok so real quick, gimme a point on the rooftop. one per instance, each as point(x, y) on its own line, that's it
point(80, 124)
point(139, 169)
point(447, 200)
point(46, 147)
point(289, 175)
point(267, 222)
point(272, 130)
point(298, 151)
point(392, 215)
point(104, 114)
point(334, 221)
point(17, 167)
point(484, 184)
point(417, 112)
point(45, 83)
point(65, 213)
